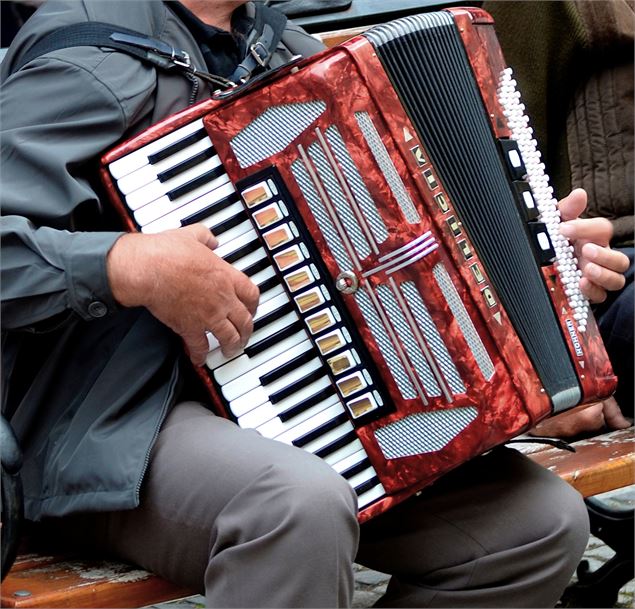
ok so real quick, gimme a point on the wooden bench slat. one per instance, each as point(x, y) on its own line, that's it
point(330, 39)
point(600, 464)
point(56, 581)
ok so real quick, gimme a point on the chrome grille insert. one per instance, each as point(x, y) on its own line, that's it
point(357, 186)
point(466, 325)
point(432, 336)
point(339, 200)
point(423, 432)
point(388, 168)
point(256, 141)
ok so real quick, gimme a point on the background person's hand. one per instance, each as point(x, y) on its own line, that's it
point(602, 268)
point(584, 419)
point(179, 279)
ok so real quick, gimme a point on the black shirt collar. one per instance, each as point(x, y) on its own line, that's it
point(222, 50)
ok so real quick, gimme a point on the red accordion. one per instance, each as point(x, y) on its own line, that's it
point(418, 304)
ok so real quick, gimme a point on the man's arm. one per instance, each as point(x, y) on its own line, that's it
point(51, 136)
point(180, 280)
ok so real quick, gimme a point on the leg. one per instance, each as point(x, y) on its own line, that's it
point(258, 522)
point(499, 531)
point(615, 318)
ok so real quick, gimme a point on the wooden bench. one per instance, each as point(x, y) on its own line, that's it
point(600, 464)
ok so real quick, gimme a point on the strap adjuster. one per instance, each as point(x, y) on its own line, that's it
point(259, 53)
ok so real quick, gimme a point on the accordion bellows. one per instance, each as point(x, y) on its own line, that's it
point(418, 304)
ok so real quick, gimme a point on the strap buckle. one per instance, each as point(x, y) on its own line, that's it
point(181, 58)
point(260, 53)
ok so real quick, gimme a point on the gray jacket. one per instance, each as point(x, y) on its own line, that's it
point(86, 384)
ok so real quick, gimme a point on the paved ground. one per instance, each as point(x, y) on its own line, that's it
point(370, 585)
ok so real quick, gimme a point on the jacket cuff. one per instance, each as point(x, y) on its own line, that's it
point(87, 278)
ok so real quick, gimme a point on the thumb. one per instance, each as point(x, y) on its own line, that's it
point(573, 204)
point(201, 233)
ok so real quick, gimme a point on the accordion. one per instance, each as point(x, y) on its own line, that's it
point(418, 305)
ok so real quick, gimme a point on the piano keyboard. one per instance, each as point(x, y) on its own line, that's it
point(299, 379)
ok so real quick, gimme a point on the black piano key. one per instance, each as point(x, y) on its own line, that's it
point(256, 267)
point(221, 227)
point(366, 486)
point(210, 209)
point(277, 337)
point(291, 365)
point(204, 178)
point(316, 398)
point(355, 469)
point(314, 434)
point(177, 146)
point(325, 451)
point(260, 323)
point(268, 284)
point(314, 375)
point(179, 168)
point(242, 251)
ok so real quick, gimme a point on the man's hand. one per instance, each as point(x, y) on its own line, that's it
point(180, 280)
point(602, 268)
point(583, 419)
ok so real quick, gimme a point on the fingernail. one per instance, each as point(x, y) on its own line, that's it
point(593, 271)
point(591, 251)
point(566, 230)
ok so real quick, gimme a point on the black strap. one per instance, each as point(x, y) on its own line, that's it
point(261, 44)
point(269, 25)
point(93, 33)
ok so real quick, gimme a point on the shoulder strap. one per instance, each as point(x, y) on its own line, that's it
point(93, 33)
point(269, 25)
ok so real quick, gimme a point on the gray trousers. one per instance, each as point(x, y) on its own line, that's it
point(255, 523)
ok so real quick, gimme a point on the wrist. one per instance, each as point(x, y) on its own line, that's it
point(128, 270)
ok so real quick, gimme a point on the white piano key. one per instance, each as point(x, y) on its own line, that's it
point(232, 233)
point(237, 387)
point(262, 276)
point(265, 296)
point(327, 438)
point(270, 306)
point(235, 244)
point(246, 261)
point(155, 190)
point(363, 476)
point(243, 364)
point(173, 219)
point(343, 452)
point(275, 427)
point(265, 411)
point(164, 206)
point(148, 173)
point(315, 422)
point(371, 495)
point(352, 459)
point(216, 358)
point(248, 381)
point(291, 377)
point(224, 214)
point(139, 157)
point(275, 326)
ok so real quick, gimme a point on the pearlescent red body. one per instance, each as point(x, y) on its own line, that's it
point(351, 79)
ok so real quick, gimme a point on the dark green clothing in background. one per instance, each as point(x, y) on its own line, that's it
point(573, 60)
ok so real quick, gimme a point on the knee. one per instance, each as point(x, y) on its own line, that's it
point(314, 490)
point(566, 534)
point(314, 500)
